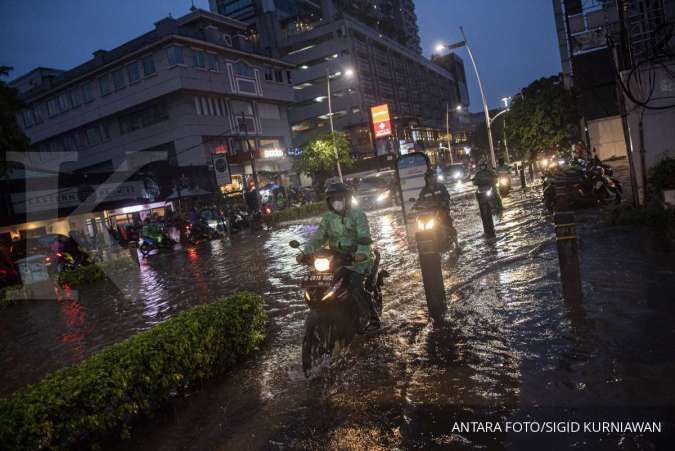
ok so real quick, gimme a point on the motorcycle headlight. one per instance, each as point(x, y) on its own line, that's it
point(439, 178)
point(503, 181)
point(355, 202)
point(382, 197)
point(425, 223)
point(488, 193)
point(322, 264)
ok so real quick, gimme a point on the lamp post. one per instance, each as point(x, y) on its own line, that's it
point(488, 122)
point(349, 73)
point(447, 130)
point(507, 103)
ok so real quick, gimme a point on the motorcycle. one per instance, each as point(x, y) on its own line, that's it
point(583, 185)
point(194, 233)
point(488, 192)
point(504, 183)
point(431, 215)
point(154, 240)
point(334, 317)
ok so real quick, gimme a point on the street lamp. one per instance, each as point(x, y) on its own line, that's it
point(348, 73)
point(465, 43)
point(507, 104)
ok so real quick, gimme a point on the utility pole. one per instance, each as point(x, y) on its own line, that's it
point(447, 129)
point(251, 156)
point(332, 128)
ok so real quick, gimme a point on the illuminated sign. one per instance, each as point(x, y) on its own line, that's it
point(273, 153)
point(381, 120)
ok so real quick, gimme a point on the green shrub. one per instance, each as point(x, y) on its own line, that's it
point(295, 213)
point(9, 295)
point(81, 275)
point(83, 404)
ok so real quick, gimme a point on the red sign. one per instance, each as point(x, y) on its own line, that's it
point(381, 120)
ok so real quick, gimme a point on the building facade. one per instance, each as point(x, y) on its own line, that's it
point(157, 109)
point(618, 55)
point(366, 67)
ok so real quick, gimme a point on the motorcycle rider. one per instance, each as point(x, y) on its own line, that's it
point(486, 177)
point(439, 193)
point(343, 227)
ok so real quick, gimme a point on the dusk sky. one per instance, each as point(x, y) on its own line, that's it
point(513, 41)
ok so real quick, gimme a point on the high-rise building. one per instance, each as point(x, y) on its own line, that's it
point(161, 108)
point(334, 38)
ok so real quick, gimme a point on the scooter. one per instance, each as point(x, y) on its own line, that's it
point(488, 191)
point(151, 241)
point(504, 183)
point(334, 317)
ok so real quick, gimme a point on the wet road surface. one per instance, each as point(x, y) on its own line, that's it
point(510, 348)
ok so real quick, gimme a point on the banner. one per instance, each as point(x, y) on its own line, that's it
point(381, 120)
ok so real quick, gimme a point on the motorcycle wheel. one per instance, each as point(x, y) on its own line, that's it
point(145, 249)
point(316, 344)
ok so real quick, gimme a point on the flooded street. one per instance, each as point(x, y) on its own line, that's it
point(510, 347)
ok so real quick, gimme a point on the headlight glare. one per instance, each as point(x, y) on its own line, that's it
point(322, 264)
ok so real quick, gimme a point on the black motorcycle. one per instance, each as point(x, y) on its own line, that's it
point(433, 215)
point(334, 316)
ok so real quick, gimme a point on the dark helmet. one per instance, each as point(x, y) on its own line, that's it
point(338, 190)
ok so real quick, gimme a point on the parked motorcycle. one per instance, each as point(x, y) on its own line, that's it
point(334, 317)
point(583, 184)
point(154, 239)
point(194, 233)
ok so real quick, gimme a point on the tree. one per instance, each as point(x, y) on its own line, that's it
point(12, 138)
point(543, 117)
point(318, 158)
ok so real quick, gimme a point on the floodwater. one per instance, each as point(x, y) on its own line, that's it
point(510, 348)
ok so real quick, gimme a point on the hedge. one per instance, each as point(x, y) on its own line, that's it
point(94, 272)
point(82, 405)
point(295, 213)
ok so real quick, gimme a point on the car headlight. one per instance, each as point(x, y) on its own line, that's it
point(425, 224)
point(213, 223)
point(457, 176)
point(561, 162)
point(439, 178)
point(383, 196)
point(322, 264)
point(355, 202)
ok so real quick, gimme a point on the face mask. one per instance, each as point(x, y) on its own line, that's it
point(338, 205)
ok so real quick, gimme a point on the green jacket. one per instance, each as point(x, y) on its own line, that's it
point(342, 234)
point(504, 169)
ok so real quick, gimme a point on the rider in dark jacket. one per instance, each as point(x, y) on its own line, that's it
point(439, 193)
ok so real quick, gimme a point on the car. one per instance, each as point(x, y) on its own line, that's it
point(375, 191)
point(453, 173)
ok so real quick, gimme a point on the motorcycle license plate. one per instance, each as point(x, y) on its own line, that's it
point(318, 280)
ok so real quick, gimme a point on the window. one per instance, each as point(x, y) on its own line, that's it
point(93, 136)
point(88, 92)
point(198, 59)
point(143, 118)
point(211, 62)
point(76, 97)
point(64, 102)
point(52, 107)
point(269, 73)
point(80, 139)
point(27, 119)
point(289, 78)
point(239, 107)
point(69, 143)
point(243, 69)
point(278, 76)
point(133, 72)
point(104, 85)
point(268, 111)
point(105, 132)
point(148, 66)
point(118, 79)
point(37, 114)
point(175, 55)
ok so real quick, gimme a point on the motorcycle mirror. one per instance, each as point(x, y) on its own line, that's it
point(294, 244)
point(365, 241)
